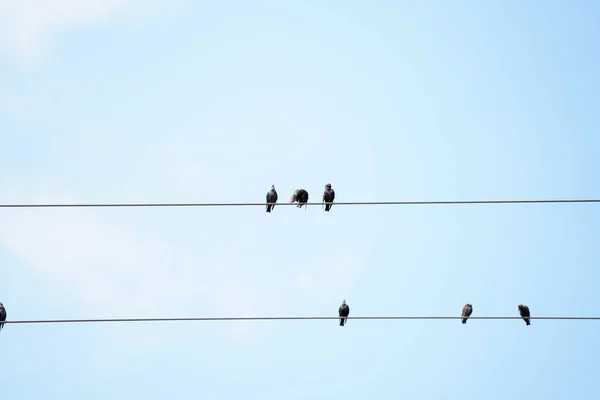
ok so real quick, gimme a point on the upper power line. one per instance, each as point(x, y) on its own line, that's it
point(354, 203)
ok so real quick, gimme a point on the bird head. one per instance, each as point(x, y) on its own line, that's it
point(272, 187)
point(469, 305)
point(328, 186)
point(344, 302)
point(520, 307)
point(294, 196)
point(1, 305)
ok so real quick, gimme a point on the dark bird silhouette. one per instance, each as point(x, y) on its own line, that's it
point(524, 311)
point(328, 197)
point(2, 316)
point(344, 311)
point(301, 196)
point(271, 198)
point(466, 312)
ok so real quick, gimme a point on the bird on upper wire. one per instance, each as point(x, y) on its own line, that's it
point(2, 316)
point(328, 197)
point(271, 198)
point(524, 311)
point(344, 311)
point(466, 312)
point(301, 196)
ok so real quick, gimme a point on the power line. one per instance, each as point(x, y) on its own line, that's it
point(355, 203)
point(104, 320)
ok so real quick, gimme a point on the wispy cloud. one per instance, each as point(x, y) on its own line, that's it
point(115, 270)
point(29, 28)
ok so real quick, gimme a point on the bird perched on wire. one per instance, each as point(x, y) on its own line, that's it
point(271, 198)
point(2, 316)
point(524, 311)
point(344, 311)
point(301, 196)
point(328, 197)
point(466, 312)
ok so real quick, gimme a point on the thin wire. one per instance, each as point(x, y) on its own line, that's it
point(57, 321)
point(355, 203)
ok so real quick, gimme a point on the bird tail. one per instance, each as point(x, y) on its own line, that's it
point(464, 320)
point(327, 206)
point(268, 208)
point(341, 321)
point(527, 322)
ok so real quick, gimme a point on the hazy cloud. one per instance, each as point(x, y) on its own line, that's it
point(28, 28)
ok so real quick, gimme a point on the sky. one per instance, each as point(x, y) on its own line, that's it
point(189, 101)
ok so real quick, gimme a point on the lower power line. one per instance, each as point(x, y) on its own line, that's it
point(105, 320)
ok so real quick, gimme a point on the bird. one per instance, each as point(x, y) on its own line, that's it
point(301, 196)
point(2, 316)
point(344, 311)
point(524, 311)
point(271, 198)
point(466, 312)
point(328, 197)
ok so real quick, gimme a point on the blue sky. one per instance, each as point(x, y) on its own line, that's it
point(182, 101)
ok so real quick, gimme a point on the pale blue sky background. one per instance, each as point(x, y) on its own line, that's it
point(136, 101)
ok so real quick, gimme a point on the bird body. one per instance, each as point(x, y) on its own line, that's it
point(271, 198)
point(524, 311)
point(328, 197)
point(466, 312)
point(344, 311)
point(2, 315)
point(301, 196)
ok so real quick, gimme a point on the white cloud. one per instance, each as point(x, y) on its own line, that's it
point(99, 264)
point(29, 27)
point(115, 271)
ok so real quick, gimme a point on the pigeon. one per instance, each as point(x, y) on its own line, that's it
point(466, 312)
point(2, 316)
point(524, 311)
point(301, 196)
point(344, 312)
point(328, 197)
point(271, 198)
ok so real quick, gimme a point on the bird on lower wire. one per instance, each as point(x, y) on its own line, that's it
point(271, 198)
point(2, 316)
point(466, 312)
point(524, 311)
point(301, 196)
point(328, 197)
point(344, 311)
